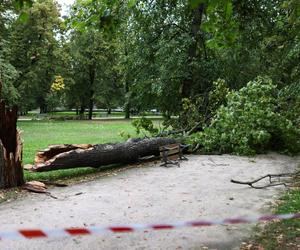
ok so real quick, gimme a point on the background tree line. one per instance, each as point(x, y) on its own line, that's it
point(180, 57)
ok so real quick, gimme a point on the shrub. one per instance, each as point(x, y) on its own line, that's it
point(199, 110)
point(289, 110)
point(251, 122)
point(143, 125)
point(289, 103)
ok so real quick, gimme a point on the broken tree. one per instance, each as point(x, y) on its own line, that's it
point(11, 171)
point(86, 155)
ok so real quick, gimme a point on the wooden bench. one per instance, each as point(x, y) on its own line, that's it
point(172, 153)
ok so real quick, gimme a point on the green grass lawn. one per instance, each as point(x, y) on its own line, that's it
point(70, 114)
point(95, 113)
point(284, 234)
point(39, 134)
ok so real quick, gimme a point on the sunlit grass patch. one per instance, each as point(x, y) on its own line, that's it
point(38, 135)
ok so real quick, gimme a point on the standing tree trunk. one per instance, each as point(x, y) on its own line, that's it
point(81, 110)
point(11, 171)
point(43, 108)
point(127, 101)
point(91, 105)
point(189, 80)
point(127, 105)
point(92, 73)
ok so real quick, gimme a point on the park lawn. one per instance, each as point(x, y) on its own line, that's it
point(95, 113)
point(71, 114)
point(39, 134)
point(285, 234)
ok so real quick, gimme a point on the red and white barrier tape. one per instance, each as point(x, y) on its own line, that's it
point(96, 230)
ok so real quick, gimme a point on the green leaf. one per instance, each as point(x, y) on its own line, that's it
point(228, 10)
point(19, 4)
point(24, 17)
point(195, 3)
point(131, 3)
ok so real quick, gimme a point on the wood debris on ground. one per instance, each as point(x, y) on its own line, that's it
point(39, 187)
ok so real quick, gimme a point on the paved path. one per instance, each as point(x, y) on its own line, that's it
point(200, 188)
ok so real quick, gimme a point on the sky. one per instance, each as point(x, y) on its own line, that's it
point(64, 5)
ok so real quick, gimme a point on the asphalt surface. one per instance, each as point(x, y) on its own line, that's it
point(199, 189)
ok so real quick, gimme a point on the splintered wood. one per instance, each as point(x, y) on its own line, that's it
point(11, 172)
point(54, 150)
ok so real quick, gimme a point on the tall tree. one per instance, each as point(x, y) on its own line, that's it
point(33, 44)
point(95, 72)
point(7, 71)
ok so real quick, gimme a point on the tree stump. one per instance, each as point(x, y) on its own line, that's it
point(11, 170)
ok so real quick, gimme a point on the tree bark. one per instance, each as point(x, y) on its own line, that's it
point(86, 155)
point(91, 105)
point(188, 82)
point(127, 105)
point(43, 106)
point(11, 170)
point(92, 73)
point(127, 100)
point(82, 109)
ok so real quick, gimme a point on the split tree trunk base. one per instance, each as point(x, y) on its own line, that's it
point(11, 171)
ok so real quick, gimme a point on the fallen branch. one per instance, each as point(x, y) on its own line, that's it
point(171, 132)
point(272, 183)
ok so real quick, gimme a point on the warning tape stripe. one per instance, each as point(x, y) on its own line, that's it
point(68, 232)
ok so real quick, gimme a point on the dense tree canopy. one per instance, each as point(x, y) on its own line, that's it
point(141, 54)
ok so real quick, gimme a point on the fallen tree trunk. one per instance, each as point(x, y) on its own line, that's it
point(11, 170)
point(86, 155)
